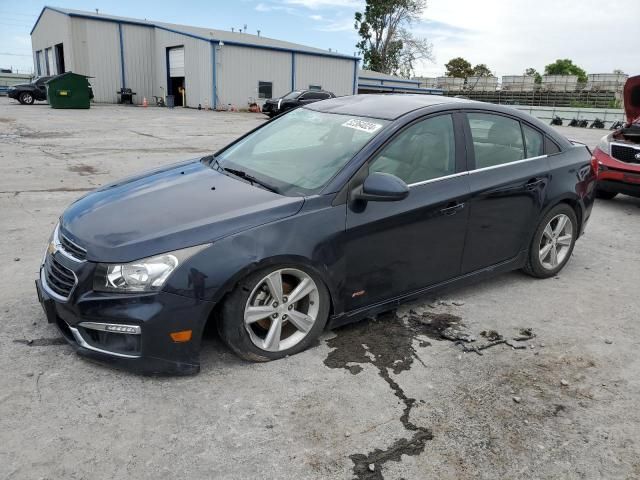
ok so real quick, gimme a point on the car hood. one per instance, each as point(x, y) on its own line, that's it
point(632, 99)
point(167, 209)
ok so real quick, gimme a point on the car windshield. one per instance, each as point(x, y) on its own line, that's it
point(298, 153)
point(292, 95)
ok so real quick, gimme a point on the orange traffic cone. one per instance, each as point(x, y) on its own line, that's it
point(144, 102)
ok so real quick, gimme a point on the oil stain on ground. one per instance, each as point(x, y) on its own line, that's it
point(387, 343)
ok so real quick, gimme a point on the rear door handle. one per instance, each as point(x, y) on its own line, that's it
point(452, 208)
point(533, 183)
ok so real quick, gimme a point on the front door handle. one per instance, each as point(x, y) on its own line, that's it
point(533, 183)
point(452, 208)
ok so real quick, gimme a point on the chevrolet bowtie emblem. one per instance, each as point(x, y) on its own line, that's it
point(52, 248)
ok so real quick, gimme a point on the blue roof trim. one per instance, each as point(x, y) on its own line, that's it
point(414, 82)
point(197, 37)
point(436, 91)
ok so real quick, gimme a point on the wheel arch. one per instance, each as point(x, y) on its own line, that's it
point(279, 260)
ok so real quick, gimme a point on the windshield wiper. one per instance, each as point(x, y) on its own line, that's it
point(250, 178)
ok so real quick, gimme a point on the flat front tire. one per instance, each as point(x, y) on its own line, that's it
point(274, 312)
point(553, 242)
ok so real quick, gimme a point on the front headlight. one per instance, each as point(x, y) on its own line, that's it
point(605, 144)
point(146, 275)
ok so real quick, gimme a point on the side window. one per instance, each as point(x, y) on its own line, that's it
point(534, 141)
point(496, 139)
point(424, 151)
point(265, 89)
point(550, 146)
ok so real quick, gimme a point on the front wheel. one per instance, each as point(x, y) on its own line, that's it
point(26, 98)
point(274, 312)
point(552, 242)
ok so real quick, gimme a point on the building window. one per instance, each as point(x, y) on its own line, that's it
point(48, 61)
point(265, 89)
point(315, 87)
point(39, 62)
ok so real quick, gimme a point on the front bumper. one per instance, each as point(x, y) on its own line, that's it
point(154, 316)
point(617, 176)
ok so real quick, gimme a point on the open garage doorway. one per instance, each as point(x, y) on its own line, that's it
point(175, 75)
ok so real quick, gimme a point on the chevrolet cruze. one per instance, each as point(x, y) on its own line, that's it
point(327, 214)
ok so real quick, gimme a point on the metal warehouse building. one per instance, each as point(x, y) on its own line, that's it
point(214, 67)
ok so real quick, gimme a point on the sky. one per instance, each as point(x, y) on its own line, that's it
point(507, 35)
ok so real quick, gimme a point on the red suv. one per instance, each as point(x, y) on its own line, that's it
point(618, 154)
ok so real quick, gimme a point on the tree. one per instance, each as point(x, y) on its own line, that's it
point(565, 67)
point(387, 45)
point(458, 68)
point(532, 72)
point(481, 70)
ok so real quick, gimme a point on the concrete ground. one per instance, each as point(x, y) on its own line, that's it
point(386, 398)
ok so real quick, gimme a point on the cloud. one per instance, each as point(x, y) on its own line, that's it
point(264, 7)
point(317, 18)
point(342, 25)
point(320, 4)
point(511, 36)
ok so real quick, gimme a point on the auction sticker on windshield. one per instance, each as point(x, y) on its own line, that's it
point(362, 125)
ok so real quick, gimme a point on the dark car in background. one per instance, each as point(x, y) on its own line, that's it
point(618, 153)
point(27, 93)
point(296, 98)
point(326, 215)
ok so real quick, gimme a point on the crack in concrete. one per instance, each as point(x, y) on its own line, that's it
point(387, 344)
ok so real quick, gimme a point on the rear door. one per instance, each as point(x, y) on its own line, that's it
point(508, 178)
point(393, 248)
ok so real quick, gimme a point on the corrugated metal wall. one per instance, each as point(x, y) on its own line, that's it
point(137, 43)
point(96, 46)
point(239, 69)
point(197, 66)
point(333, 74)
point(92, 47)
point(52, 29)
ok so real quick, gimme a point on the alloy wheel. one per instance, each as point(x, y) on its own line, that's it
point(555, 242)
point(27, 98)
point(282, 309)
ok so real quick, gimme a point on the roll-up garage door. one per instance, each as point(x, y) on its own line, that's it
point(176, 62)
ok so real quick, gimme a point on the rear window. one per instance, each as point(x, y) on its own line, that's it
point(496, 139)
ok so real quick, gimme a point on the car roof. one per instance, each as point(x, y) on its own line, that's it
point(388, 107)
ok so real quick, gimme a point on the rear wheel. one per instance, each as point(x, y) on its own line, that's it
point(274, 313)
point(604, 195)
point(26, 98)
point(552, 242)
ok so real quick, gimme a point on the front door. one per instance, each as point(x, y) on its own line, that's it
point(508, 185)
point(394, 248)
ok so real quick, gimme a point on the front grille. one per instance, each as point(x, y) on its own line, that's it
point(59, 278)
point(625, 154)
point(72, 249)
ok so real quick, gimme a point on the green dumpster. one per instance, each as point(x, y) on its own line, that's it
point(69, 90)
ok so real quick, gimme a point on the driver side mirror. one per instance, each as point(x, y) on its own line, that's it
point(381, 187)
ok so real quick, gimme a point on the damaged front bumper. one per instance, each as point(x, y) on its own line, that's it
point(131, 332)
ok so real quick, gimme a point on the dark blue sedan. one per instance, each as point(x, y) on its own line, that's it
point(332, 212)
